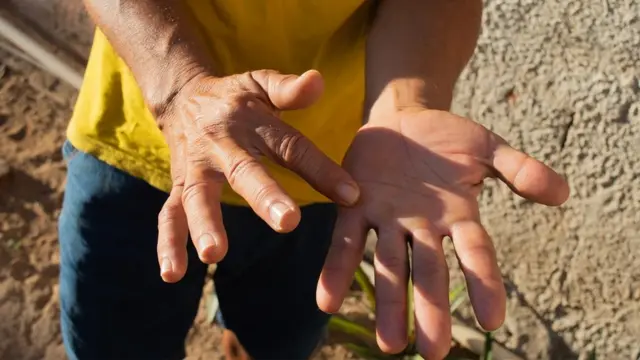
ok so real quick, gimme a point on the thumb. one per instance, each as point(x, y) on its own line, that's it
point(529, 177)
point(290, 92)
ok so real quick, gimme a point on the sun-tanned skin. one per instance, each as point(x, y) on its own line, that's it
point(413, 170)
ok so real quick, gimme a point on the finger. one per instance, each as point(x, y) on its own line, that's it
point(478, 261)
point(248, 177)
point(343, 258)
point(297, 153)
point(172, 238)
point(529, 177)
point(201, 201)
point(431, 295)
point(290, 92)
point(391, 279)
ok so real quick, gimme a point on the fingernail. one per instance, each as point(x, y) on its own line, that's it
point(348, 192)
point(277, 212)
point(206, 246)
point(165, 266)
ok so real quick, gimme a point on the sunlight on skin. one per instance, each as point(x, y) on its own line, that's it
point(429, 191)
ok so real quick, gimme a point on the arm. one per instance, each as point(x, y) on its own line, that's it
point(416, 51)
point(216, 128)
point(157, 40)
point(420, 170)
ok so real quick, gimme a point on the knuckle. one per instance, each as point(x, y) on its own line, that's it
point(235, 105)
point(389, 299)
point(260, 78)
point(477, 251)
point(167, 215)
point(223, 114)
point(177, 176)
point(431, 265)
point(195, 153)
point(193, 190)
point(213, 130)
point(293, 148)
point(432, 269)
point(393, 262)
point(264, 192)
point(223, 120)
point(170, 212)
point(239, 168)
point(238, 83)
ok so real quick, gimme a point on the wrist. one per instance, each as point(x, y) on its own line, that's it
point(162, 94)
point(390, 119)
point(407, 96)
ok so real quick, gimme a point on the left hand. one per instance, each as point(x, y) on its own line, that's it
point(420, 173)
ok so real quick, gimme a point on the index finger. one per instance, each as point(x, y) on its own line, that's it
point(248, 177)
point(296, 152)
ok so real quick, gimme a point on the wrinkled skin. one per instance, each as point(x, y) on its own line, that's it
point(420, 173)
point(218, 129)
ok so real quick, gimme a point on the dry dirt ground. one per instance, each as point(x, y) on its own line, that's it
point(557, 78)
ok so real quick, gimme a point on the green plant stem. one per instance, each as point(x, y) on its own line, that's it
point(340, 324)
point(488, 344)
point(365, 284)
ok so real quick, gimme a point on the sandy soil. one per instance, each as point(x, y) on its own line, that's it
point(33, 112)
point(557, 78)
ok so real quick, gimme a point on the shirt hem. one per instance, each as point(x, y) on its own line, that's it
point(138, 168)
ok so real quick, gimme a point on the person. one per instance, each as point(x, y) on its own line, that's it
point(268, 137)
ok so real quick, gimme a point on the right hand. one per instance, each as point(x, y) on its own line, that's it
point(217, 129)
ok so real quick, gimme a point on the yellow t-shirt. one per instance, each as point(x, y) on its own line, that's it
point(111, 120)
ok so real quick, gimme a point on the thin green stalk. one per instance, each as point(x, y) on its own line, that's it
point(456, 297)
point(340, 324)
point(488, 344)
point(365, 284)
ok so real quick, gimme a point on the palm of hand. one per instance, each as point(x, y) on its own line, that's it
point(421, 169)
point(420, 174)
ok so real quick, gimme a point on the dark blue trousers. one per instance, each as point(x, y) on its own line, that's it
point(114, 304)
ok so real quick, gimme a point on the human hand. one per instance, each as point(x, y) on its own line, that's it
point(420, 173)
point(217, 129)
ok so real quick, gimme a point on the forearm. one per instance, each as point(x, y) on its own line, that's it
point(416, 51)
point(158, 40)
